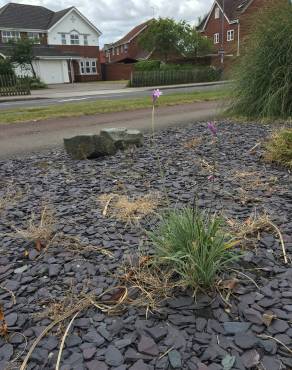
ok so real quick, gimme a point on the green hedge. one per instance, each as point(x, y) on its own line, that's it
point(173, 76)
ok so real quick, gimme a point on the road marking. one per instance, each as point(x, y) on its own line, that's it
point(72, 99)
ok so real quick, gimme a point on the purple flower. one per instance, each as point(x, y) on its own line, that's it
point(212, 128)
point(155, 95)
point(211, 178)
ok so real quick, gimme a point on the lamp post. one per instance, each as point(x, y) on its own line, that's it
point(221, 51)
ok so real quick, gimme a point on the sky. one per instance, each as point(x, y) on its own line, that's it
point(116, 17)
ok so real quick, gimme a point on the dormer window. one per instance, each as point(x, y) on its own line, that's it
point(217, 12)
point(8, 36)
point(34, 37)
point(74, 39)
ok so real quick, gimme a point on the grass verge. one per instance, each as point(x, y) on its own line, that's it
point(105, 106)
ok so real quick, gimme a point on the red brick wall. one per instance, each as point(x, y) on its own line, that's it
point(118, 71)
point(134, 49)
point(85, 52)
point(215, 26)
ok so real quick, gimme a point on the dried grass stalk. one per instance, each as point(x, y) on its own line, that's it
point(128, 210)
point(40, 232)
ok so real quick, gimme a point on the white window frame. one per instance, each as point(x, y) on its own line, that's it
point(216, 38)
point(88, 67)
point(217, 12)
point(74, 39)
point(10, 36)
point(126, 48)
point(85, 40)
point(34, 36)
point(118, 50)
point(63, 39)
point(230, 35)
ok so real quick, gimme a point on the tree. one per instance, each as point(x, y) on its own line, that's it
point(22, 54)
point(168, 37)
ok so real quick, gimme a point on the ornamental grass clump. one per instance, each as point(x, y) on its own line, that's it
point(264, 76)
point(193, 244)
point(279, 148)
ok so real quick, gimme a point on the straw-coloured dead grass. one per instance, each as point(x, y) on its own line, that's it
point(254, 179)
point(128, 210)
point(39, 231)
point(148, 286)
point(192, 143)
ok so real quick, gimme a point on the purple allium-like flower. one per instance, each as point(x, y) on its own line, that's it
point(212, 128)
point(211, 178)
point(155, 95)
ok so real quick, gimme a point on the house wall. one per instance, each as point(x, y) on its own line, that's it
point(134, 50)
point(215, 26)
point(73, 22)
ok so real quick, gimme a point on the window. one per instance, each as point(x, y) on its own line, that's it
point(10, 36)
point(122, 48)
point(216, 38)
point(217, 12)
point(230, 35)
point(63, 39)
point(88, 67)
point(34, 36)
point(126, 47)
point(118, 50)
point(85, 40)
point(74, 39)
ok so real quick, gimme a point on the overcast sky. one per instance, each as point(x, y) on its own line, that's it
point(116, 17)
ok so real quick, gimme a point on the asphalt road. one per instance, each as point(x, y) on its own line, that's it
point(26, 138)
point(128, 93)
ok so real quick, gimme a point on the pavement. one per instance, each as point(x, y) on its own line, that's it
point(30, 137)
point(70, 93)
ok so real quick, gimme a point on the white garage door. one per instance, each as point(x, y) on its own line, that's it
point(53, 71)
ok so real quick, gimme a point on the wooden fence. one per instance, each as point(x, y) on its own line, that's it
point(173, 77)
point(10, 85)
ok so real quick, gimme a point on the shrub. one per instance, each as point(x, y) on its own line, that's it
point(279, 148)
point(147, 65)
point(35, 82)
point(264, 76)
point(6, 67)
point(193, 243)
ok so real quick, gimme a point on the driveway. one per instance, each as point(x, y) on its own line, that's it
point(25, 138)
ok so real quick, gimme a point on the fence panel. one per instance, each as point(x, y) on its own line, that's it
point(172, 77)
point(10, 85)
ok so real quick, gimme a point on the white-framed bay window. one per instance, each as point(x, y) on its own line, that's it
point(8, 36)
point(88, 66)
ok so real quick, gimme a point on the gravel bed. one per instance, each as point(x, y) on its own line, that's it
point(184, 333)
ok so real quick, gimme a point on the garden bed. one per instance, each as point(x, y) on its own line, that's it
point(244, 323)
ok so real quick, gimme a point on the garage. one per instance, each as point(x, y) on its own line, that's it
point(53, 71)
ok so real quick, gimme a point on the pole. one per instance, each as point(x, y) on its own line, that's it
point(222, 31)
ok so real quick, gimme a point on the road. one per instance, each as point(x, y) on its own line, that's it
point(102, 95)
point(25, 138)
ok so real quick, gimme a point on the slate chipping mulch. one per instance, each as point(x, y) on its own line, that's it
point(192, 334)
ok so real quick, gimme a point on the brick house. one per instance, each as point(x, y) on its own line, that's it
point(228, 24)
point(127, 49)
point(66, 43)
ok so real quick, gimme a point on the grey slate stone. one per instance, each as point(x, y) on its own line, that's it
point(113, 356)
point(175, 359)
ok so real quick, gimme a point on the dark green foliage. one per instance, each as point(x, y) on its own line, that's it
point(167, 37)
point(193, 243)
point(279, 148)
point(35, 83)
point(147, 65)
point(264, 77)
point(6, 67)
point(22, 54)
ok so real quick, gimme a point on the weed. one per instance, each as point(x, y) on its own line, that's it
point(193, 143)
point(193, 243)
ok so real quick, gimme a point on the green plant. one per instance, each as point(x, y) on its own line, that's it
point(147, 65)
point(6, 67)
point(35, 82)
point(193, 243)
point(264, 76)
point(279, 148)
